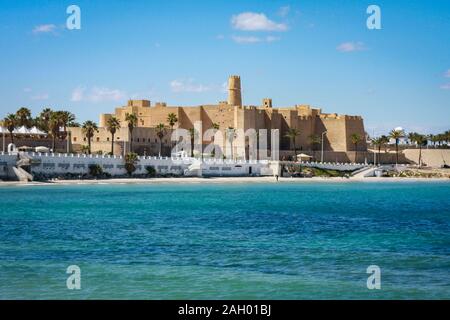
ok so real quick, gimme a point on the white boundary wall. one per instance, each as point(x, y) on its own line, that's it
point(78, 164)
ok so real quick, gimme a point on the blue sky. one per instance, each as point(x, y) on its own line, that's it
point(181, 52)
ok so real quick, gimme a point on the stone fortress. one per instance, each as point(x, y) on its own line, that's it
point(227, 114)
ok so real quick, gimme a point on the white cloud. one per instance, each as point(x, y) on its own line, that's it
point(351, 47)
point(250, 21)
point(41, 96)
point(77, 94)
point(104, 94)
point(188, 86)
point(252, 39)
point(244, 39)
point(97, 94)
point(272, 38)
point(145, 94)
point(447, 74)
point(284, 11)
point(446, 86)
point(44, 28)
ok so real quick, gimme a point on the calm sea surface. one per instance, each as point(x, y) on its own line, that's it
point(239, 241)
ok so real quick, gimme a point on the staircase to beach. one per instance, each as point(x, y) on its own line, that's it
point(194, 170)
point(24, 162)
point(364, 172)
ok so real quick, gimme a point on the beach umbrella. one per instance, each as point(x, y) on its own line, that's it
point(42, 149)
point(303, 156)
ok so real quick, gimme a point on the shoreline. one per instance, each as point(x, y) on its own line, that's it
point(218, 180)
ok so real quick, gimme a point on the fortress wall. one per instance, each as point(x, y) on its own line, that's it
point(188, 116)
point(60, 145)
point(103, 135)
point(430, 157)
point(335, 139)
point(262, 119)
point(355, 125)
point(288, 119)
point(223, 115)
point(305, 126)
point(349, 156)
point(158, 114)
point(104, 119)
point(103, 147)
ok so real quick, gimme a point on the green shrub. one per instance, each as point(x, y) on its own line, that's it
point(95, 170)
point(151, 171)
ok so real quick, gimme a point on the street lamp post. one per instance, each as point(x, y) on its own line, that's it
point(68, 140)
point(321, 156)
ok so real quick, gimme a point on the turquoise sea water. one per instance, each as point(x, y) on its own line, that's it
point(239, 241)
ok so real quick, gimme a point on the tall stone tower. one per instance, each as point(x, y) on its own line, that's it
point(234, 91)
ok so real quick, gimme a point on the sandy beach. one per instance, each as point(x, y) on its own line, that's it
point(219, 180)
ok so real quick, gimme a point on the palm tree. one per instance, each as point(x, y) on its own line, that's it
point(231, 135)
point(193, 134)
point(160, 132)
point(43, 119)
point(412, 137)
point(10, 122)
point(132, 120)
point(113, 124)
point(54, 125)
point(447, 136)
point(315, 141)
point(385, 141)
point(85, 149)
point(215, 126)
point(430, 137)
point(131, 159)
point(379, 143)
point(355, 138)
point(420, 140)
point(172, 119)
point(24, 117)
point(396, 134)
point(89, 128)
point(441, 138)
point(292, 135)
point(66, 118)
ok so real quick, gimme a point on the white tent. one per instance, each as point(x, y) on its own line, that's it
point(21, 130)
point(3, 130)
point(24, 130)
point(36, 131)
